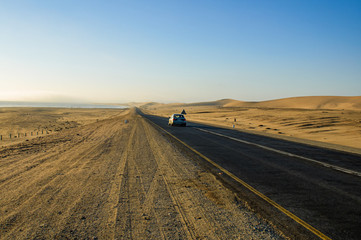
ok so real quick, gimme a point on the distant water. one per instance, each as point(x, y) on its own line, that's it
point(58, 105)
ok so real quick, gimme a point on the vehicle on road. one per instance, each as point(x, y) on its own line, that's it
point(177, 120)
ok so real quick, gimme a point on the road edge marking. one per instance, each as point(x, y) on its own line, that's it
point(340, 169)
point(249, 187)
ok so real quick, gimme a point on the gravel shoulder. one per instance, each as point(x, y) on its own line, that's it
point(112, 180)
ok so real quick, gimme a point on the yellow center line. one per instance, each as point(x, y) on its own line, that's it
point(267, 199)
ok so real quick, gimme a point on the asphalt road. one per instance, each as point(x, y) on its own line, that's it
point(320, 186)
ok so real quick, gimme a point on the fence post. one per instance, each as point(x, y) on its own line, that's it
point(10, 135)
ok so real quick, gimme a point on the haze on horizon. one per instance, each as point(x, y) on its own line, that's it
point(178, 51)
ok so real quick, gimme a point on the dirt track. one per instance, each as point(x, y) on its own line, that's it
point(111, 180)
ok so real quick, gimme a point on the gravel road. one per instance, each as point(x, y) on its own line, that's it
point(116, 180)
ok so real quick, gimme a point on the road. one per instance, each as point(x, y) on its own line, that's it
point(116, 180)
point(320, 186)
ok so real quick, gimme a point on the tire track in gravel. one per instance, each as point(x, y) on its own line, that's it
point(153, 181)
point(44, 183)
point(111, 180)
point(33, 195)
point(51, 153)
point(208, 209)
point(88, 214)
point(187, 226)
point(195, 219)
point(142, 196)
point(114, 197)
point(78, 152)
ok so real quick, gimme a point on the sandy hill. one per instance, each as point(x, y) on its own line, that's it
point(313, 102)
point(146, 104)
point(220, 103)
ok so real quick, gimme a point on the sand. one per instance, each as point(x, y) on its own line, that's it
point(86, 174)
point(108, 179)
point(27, 123)
point(314, 102)
point(335, 121)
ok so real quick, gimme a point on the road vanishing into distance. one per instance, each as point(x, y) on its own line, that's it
point(317, 191)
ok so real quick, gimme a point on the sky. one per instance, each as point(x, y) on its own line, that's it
point(178, 51)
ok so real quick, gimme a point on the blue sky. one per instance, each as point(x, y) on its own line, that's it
point(178, 51)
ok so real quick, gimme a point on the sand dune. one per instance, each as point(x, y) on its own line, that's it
point(143, 104)
point(220, 103)
point(312, 102)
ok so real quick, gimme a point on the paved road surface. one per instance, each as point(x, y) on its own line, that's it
point(320, 186)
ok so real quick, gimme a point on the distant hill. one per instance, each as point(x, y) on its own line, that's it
point(221, 103)
point(313, 102)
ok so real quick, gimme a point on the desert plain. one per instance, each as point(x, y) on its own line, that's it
point(90, 174)
point(95, 175)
